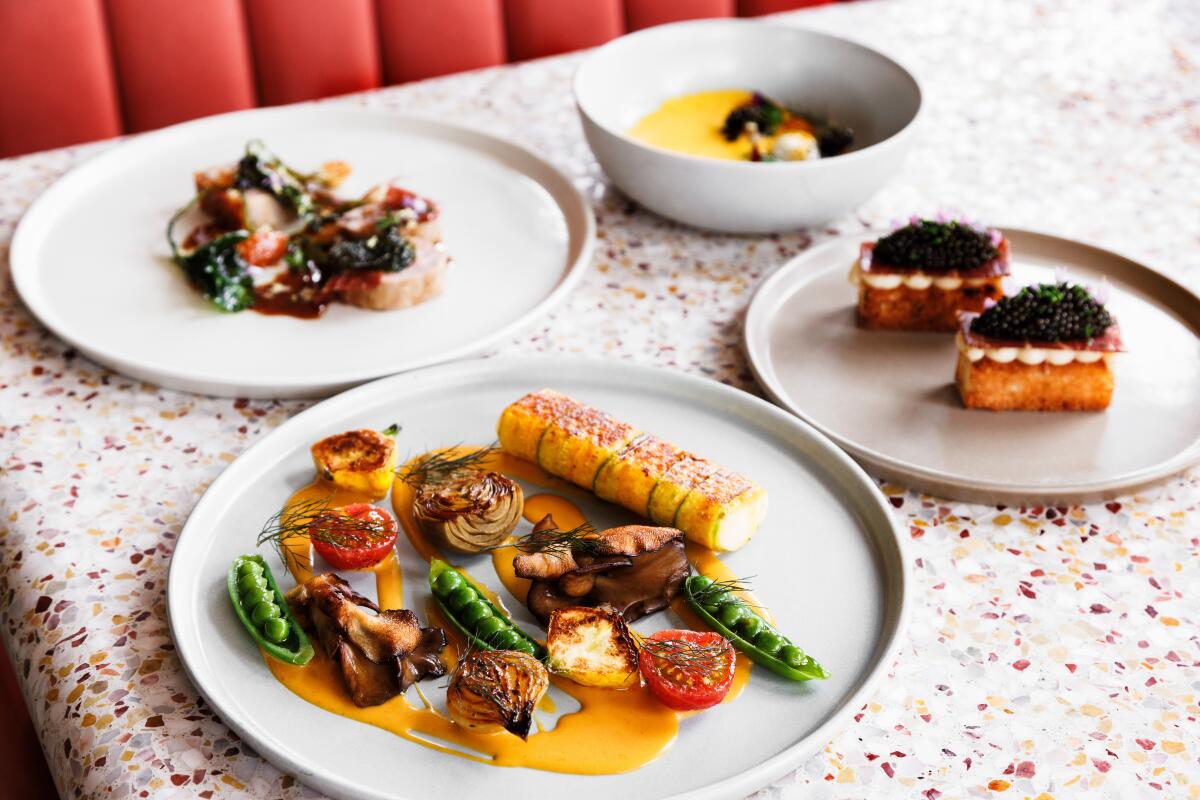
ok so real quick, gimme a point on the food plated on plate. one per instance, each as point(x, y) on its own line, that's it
point(923, 273)
point(262, 235)
point(739, 125)
point(585, 588)
point(1046, 348)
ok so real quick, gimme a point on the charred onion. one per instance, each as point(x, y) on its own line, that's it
point(470, 513)
point(491, 690)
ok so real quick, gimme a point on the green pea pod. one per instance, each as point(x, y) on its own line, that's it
point(273, 628)
point(733, 618)
point(484, 625)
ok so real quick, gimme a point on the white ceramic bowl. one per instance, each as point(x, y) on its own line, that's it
point(628, 78)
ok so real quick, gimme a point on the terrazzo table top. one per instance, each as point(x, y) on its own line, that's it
point(1053, 652)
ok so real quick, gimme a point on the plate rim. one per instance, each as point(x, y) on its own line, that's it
point(771, 294)
point(23, 266)
point(891, 553)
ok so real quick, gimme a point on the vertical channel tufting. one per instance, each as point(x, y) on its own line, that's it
point(304, 49)
point(422, 39)
point(179, 61)
point(645, 13)
point(756, 8)
point(545, 27)
point(56, 82)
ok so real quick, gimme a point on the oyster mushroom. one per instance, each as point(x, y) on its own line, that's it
point(633, 569)
point(494, 690)
point(471, 513)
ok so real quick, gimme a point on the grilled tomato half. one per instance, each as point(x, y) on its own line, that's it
point(687, 670)
point(356, 536)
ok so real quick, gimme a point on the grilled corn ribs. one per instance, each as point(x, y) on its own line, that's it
point(713, 506)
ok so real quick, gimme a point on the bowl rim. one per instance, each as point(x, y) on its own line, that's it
point(729, 164)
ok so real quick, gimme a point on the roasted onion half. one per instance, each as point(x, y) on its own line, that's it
point(494, 690)
point(471, 513)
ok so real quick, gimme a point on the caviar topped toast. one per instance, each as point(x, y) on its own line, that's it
point(1047, 348)
point(922, 274)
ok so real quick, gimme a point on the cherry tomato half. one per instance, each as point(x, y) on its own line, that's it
point(356, 536)
point(263, 248)
point(687, 670)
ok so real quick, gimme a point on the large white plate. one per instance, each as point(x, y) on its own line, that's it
point(91, 261)
point(888, 398)
point(827, 561)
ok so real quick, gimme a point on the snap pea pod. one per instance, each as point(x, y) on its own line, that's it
point(485, 626)
point(733, 618)
point(264, 613)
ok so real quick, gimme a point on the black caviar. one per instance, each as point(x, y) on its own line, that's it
point(765, 114)
point(936, 247)
point(1049, 312)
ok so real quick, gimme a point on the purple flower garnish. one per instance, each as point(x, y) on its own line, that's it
point(995, 237)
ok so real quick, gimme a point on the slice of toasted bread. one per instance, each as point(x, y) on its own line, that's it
point(929, 309)
point(1015, 386)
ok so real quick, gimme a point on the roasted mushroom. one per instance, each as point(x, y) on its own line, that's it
point(470, 513)
point(380, 653)
point(494, 690)
point(634, 569)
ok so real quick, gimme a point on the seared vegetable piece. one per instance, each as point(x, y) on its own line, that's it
point(593, 647)
point(263, 611)
point(733, 618)
point(632, 569)
point(471, 513)
point(589, 447)
point(494, 690)
point(360, 461)
point(485, 626)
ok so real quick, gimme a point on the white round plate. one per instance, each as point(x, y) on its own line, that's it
point(827, 560)
point(888, 398)
point(90, 258)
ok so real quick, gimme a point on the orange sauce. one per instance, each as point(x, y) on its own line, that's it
point(613, 731)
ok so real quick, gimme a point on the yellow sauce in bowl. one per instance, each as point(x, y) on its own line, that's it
point(693, 124)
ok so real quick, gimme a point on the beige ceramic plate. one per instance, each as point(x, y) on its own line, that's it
point(889, 398)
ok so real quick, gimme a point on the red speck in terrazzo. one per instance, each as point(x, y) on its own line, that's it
point(1146, 744)
point(1025, 769)
point(1101, 764)
point(1021, 664)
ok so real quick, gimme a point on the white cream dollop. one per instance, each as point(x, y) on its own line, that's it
point(912, 280)
point(796, 146)
point(1028, 354)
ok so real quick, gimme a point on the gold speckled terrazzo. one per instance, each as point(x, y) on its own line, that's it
point(1052, 653)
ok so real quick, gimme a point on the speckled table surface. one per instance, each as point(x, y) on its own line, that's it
point(1052, 652)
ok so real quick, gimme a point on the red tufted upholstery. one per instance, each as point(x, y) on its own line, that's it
point(56, 80)
point(304, 49)
point(72, 73)
point(539, 28)
point(644, 13)
point(422, 38)
point(178, 61)
point(755, 8)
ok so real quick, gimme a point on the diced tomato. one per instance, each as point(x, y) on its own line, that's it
point(263, 248)
point(687, 670)
point(356, 536)
point(395, 198)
